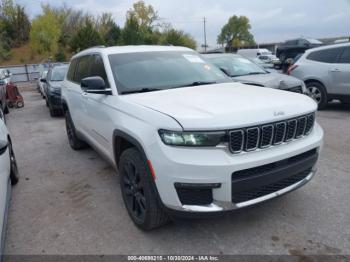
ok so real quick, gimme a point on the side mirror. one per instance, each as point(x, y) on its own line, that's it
point(95, 85)
point(43, 80)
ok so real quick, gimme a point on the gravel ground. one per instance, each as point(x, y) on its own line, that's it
point(69, 202)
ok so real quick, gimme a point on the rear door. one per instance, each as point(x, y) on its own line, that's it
point(340, 72)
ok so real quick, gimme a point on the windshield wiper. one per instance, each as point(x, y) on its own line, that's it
point(256, 73)
point(143, 90)
point(196, 83)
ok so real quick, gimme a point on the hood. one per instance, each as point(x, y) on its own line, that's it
point(224, 106)
point(272, 80)
point(56, 84)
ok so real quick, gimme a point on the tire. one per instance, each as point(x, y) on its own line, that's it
point(2, 115)
point(54, 112)
point(318, 93)
point(19, 104)
point(14, 177)
point(74, 142)
point(6, 110)
point(139, 192)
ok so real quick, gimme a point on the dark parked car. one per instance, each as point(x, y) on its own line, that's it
point(5, 77)
point(291, 48)
point(52, 90)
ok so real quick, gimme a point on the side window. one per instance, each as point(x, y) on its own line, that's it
point(345, 57)
point(326, 56)
point(98, 68)
point(71, 70)
point(83, 68)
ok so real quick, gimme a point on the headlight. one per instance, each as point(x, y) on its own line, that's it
point(175, 138)
point(3, 146)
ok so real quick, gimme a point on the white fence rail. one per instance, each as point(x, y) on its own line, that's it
point(27, 72)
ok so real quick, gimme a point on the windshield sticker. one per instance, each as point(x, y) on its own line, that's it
point(194, 58)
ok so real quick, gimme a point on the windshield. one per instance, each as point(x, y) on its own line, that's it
point(150, 71)
point(58, 73)
point(236, 66)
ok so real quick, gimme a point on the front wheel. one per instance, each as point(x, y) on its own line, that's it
point(14, 177)
point(318, 93)
point(139, 192)
point(2, 115)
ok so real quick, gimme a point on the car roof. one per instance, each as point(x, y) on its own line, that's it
point(130, 49)
point(326, 47)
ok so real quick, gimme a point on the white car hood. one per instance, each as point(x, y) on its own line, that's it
point(224, 106)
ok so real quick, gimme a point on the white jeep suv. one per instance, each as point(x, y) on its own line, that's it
point(185, 139)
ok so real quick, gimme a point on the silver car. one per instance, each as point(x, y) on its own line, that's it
point(243, 70)
point(326, 73)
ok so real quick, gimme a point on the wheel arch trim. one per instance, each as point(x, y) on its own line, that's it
point(116, 147)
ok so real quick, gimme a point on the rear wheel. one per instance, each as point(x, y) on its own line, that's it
point(318, 93)
point(139, 192)
point(74, 142)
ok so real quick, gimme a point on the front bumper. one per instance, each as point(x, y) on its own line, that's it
point(215, 166)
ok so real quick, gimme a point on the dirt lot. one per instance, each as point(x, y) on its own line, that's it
point(69, 202)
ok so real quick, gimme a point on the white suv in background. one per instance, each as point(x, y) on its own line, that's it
point(326, 73)
point(184, 137)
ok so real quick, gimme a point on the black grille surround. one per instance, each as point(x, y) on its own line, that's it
point(259, 181)
point(270, 134)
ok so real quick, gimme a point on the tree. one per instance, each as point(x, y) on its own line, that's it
point(86, 37)
point(132, 34)
point(145, 15)
point(45, 33)
point(15, 22)
point(108, 29)
point(178, 38)
point(236, 32)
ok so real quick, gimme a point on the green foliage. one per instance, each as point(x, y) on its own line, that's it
point(14, 22)
point(5, 48)
point(144, 15)
point(236, 32)
point(86, 37)
point(57, 31)
point(45, 33)
point(60, 56)
point(177, 38)
point(132, 33)
point(109, 31)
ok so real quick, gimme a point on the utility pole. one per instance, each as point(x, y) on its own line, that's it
point(205, 35)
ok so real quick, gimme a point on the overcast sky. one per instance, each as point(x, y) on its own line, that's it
point(271, 20)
